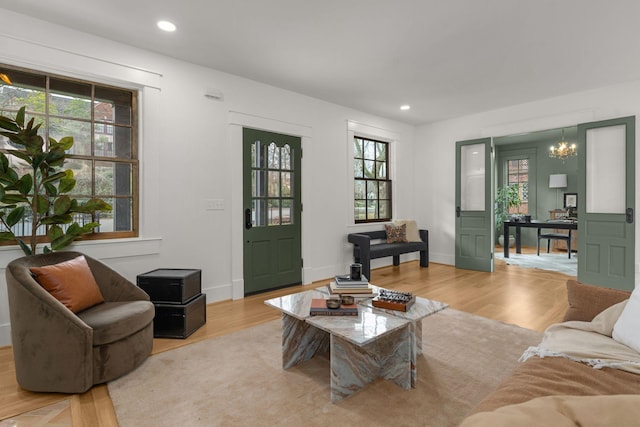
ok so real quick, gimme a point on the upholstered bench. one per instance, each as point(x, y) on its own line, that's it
point(370, 245)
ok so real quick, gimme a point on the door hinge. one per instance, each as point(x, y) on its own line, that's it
point(301, 207)
point(301, 262)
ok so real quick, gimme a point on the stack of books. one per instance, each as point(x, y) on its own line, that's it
point(344, 285)
point(319, 308)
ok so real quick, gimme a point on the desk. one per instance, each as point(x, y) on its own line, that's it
point(559, 225)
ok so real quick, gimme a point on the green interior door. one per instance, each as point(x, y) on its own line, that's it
point(272, 210)
point(606, 228)
point(474, 242)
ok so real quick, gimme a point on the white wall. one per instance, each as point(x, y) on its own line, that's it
point(435, 149)
point(190, 152)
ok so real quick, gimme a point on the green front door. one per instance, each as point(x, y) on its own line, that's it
point(474, 242)
point(606, 203)
point(272, 210)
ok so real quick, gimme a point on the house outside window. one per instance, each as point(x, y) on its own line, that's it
point(518, 173)
point(103, 123)
point(372, 186)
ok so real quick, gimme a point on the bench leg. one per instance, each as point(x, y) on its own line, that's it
point(366, 268)
point(396, 260)
point(424, 259)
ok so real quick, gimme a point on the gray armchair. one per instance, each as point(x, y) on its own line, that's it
point(56, 350)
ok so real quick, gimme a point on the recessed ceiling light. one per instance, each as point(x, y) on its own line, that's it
point(166, 26)
point(405, 107)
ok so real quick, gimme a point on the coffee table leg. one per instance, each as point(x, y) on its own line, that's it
point(353, 367)
point(301, 341)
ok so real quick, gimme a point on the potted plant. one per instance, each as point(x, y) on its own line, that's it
point(35, 188)
point(507, 197)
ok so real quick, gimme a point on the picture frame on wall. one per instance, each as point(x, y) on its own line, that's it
point(570, 200)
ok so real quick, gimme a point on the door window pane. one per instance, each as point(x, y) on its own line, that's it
point(472, 177)
point(606, 159)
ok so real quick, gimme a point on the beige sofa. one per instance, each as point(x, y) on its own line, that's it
point(560, 388)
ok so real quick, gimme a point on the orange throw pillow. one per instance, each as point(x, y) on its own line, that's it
point(70, 282)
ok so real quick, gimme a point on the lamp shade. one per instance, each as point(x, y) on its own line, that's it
point(558, 180)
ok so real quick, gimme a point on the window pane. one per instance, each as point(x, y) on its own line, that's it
point(274, 156)
point(69, 99)
point(357, 148)
point(360, 210)
point(372, 209)
point(381, 151)
point(385, 209)
point(384, 190)
point(357, 168)
point(369, 169)
point(369, 150)
point(285, 184)
point(360, 189)
point(79, 130)
point(109, 174)
point(83, 175)
point(274, 212)
point(287, 211)
point(113, 105)
point(26, 89)
point(381, 170)
point(274, 184)
point(286, 157)
point(372, 190)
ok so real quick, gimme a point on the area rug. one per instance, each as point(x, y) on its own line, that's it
point(237, 380)
point(553, 262)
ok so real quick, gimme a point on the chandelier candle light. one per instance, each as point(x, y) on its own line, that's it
point(563, 150)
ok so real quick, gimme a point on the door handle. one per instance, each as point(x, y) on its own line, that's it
point(629, 215)
point(458, 211)
point(247, 219)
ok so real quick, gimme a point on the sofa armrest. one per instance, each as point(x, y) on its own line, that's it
point(361, 240)
point(424, 235)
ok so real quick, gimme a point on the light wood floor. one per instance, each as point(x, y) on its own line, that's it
point(529, 298)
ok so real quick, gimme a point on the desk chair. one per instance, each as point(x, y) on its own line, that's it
point(554, 236)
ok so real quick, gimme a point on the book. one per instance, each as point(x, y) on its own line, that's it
point(337, 293)
point(334, 289)
point(346, 281)
point(319, 308)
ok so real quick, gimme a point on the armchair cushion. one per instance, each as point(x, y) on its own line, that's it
point(70, 282)
point(113, 321)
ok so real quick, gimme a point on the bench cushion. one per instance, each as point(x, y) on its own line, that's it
point(381, 250)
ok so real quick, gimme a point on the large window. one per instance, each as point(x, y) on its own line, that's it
point(372, 198)
point(103, 123)
point(518, 173)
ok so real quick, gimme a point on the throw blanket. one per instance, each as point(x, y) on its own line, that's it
point(588, 342)
point(565, 411)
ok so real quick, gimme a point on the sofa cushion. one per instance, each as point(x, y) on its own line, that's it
point(396, 233)
point(113, 321)
point(70, 282)
point(627, 326)
point(587, 301)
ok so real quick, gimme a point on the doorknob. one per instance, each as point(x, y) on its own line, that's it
point(247, 219)
point(629, 215)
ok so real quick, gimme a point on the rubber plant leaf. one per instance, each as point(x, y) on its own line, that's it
point(61, 205)
point(15, 216)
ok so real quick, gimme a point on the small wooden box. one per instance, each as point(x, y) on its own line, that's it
point(180, 320)
point(171, 285)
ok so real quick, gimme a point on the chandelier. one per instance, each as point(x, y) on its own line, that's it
point(563, 150)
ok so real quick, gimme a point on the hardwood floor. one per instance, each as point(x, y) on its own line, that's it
point(529, 298)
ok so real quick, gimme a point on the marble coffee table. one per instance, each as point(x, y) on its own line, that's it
point(362, 348)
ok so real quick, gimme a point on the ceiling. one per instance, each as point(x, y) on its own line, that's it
point(445, 58)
